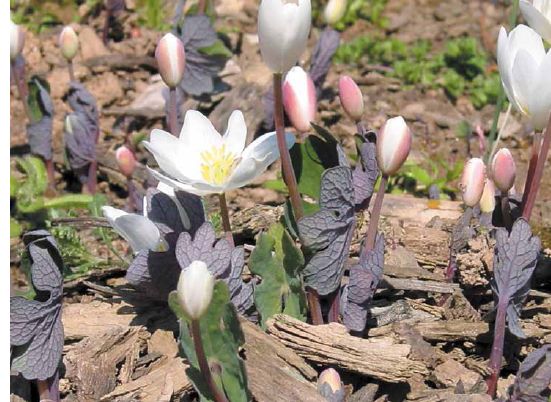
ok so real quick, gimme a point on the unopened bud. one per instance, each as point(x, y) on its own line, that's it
point(171, 59)
point(299, 98)
point(330, 385)
point(504, 170)
point(195, 288)
point(17, 40)
point(351, 98)
point(68, 42)
point(126, 160)
point(472, 181)
point(334, 11)
point(393, 145)
point(488, 199)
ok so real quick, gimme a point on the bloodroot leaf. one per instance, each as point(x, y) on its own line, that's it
point(366, 171)
point(201, 68)
point(327, 233)
point(82, 101)
point(80, 144)
point(41, 110)
point(364, 279)
point(515, 259)
point(326, 47)
point(241, 293)
point(278, 262)
point(36, 330)
point(534, 377)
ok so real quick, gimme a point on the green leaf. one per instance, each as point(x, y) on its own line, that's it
point(222, 337)
point(68, 201)
point(34, 99)
point(15, 228)
point(419, 174)
point(29, 194)
point(14, 186)
point(281, 289)
point(216, 49)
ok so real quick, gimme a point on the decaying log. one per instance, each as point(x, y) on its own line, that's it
point(380, 358)
point(121, 62)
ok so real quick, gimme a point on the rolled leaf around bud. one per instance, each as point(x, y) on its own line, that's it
point(171, 59)
point(195, 288)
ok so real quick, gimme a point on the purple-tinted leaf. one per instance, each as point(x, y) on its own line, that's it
point(194, 211)
point(515, 259)
point(18, 69)
point(366, 171)
point(327, 233)
point(364, 279)
point(80, 144)
point(204, 247)
point(534, 377)
point(326, 47)
point(241, 293)
point(82, 101)
point(162, 210)
point(41, 109)
point(36, 330)
point(200, 69)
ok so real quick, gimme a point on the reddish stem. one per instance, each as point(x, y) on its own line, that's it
point(51, 175)
point(203, 363)
point(226, 218)
point(536, 141)
point(43, 390)
point(201, 7)
point(173, 113)
point(71, 69)
point(335, 307)
point(538, 173)
point(92, 177)
point(375, 214)
point(21, 89)
point(497, 347)
point(314, 306)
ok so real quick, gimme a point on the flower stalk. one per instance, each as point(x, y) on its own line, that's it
point(497, 347)
point(173, 113)
point(375, 214)
point(226, 224)
point(287, 167)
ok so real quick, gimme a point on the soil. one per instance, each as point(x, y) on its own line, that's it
point(119, 350)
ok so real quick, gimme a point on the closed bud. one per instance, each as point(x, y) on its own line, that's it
point(504, 170)
point(472, 181)
point(299, 98)
point(195, 288)
point(330, 385)
point(393, 145)
point(17, 40)
point(68, 42)
point(488, 199)
point(171, 59)
point(351, 98)
point(283, 29)
point(334, 11)
point(126, 160)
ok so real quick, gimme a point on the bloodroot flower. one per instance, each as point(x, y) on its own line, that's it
point(68, 42)
point(393, 145)
point(126, 160)
point(504, 170)
point(171, 59)
point(538, 16)
point(299, 98)
point(17, 40)
point(334, 11)
point(195, 288)
point(201, 161)
point(351, 98)
point(472, 181)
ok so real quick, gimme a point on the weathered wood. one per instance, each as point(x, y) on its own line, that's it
point(331, 344)
point(420, 285)
point(118, 61)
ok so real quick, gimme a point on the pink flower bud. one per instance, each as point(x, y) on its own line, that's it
point(17, 40)
point(126, 160)
point(488, 199)
point(393, 145)
point(68, 42)
point(351, 97)
point(171, 59)
point(472, 181)
point(504, 170)
point(299, 98)
point(330, 385)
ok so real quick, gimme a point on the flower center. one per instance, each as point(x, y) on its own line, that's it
point(217, 164)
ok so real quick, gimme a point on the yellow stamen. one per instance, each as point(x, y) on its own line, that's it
point(217, 164)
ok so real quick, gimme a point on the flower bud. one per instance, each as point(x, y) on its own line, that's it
point(351, 98)
point(171, 59)
point(472, 181)
point(334, 11)
point(283, 28)
point(299, 98)
point(195, 288)
point(126, 160)
point(68, 42)
point(504, 170)
point(17, 40)
point(330, 385)
point(488, 199)
point(393, 145)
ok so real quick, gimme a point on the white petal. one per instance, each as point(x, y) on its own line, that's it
point(197, 188)
point(504, 63)
point(540, 99)
point(536, 19)
point(523, 73)
point(524, 37)
point(198, 132)
point(137, 230)
point(236, 133)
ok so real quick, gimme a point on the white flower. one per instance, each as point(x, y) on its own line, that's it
point(393, 145)
point(334, 11)
point(525, 71)
point(299, 98)
point(283, 28)
point(195, 288)
point(538, 16)
point(17, 40)
point(139, 231)
point(201, 161)
point(171, 59)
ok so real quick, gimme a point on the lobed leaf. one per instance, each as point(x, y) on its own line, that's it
point(41, 109)
point(323, 52)
point(80, 144)
point(366, 171)
point(533, 377)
